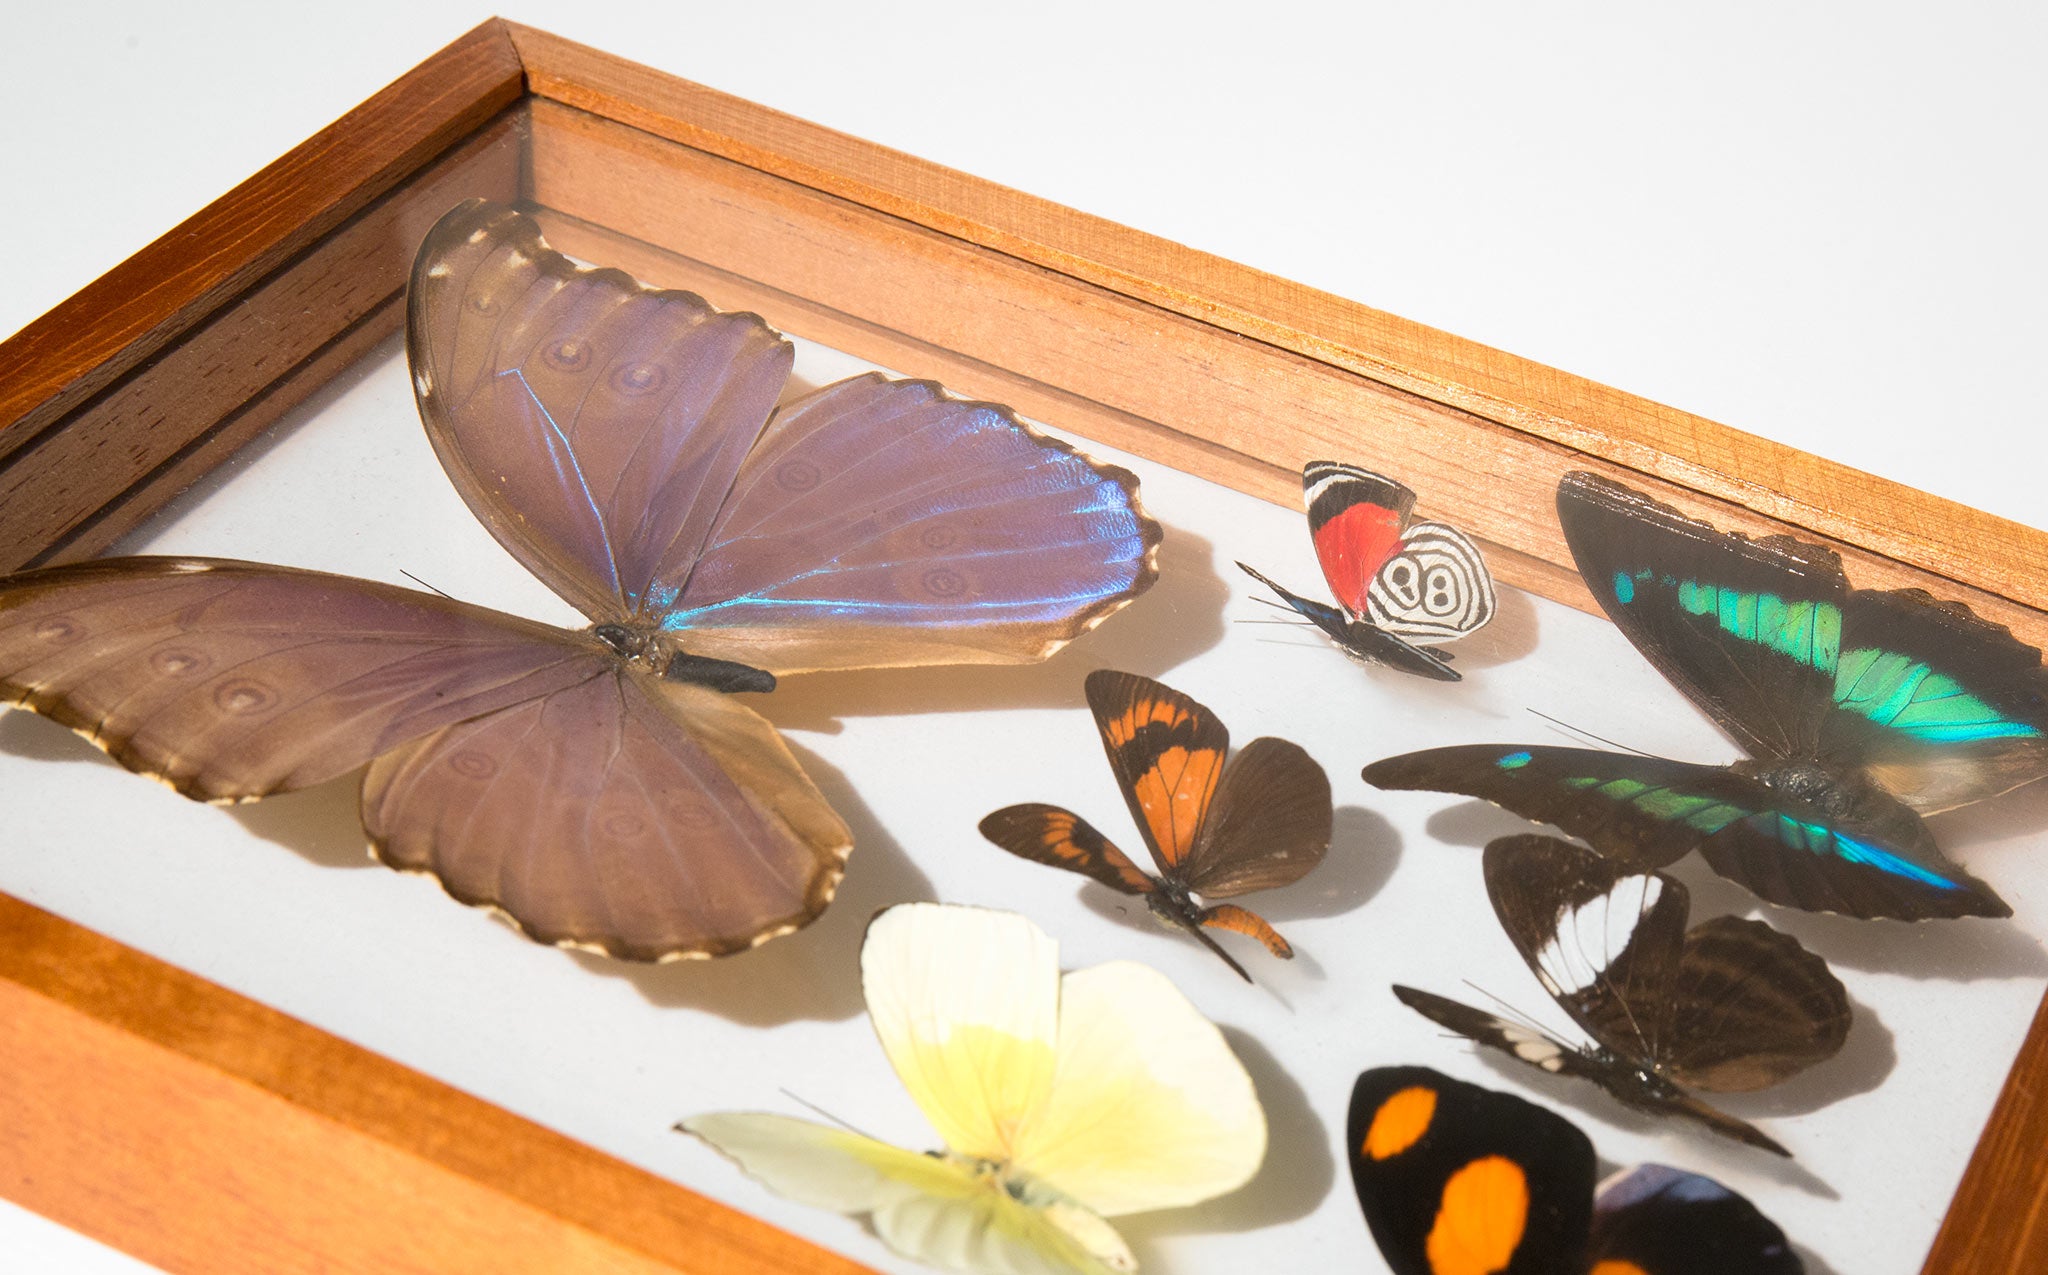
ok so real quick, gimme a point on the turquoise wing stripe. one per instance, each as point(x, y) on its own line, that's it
point(1709, 815)
point(1905, 694)
point(1806, 630)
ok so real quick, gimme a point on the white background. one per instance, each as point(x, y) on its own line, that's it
point(1822, 228)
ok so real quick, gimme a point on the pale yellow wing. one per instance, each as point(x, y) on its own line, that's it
point(1149, 1108)
point(966, 1004)
point(935, 1210)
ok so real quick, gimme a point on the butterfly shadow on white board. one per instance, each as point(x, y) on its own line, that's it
point(1291, 1184)
point(1706, 1154)
point(815, 973)
point(1866, 1058)
point(1179, 618)
point(1511, 634)
point(1365, 848)
point(1954, 951)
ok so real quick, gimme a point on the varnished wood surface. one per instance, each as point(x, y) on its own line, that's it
point(1818, 496)
point(116, 458)
point(152, 299)
point(186, 1124)
point(205, 1133)
point(1998, 1220)
point(1078, 356)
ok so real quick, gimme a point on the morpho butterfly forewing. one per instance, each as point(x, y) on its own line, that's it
point(1454, 1178)
point(1858, 708)
point(603, 788)
point(1728, 1006)
point(1260, 822)
point(1395, 580)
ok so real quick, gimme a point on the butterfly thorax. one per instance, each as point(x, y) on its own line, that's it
point(1636, 1083)
point(1841, 796)
point(656, 651)
point(1173, 905)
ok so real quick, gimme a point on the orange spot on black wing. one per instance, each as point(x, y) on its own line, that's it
point(1400, 1122)
point(1481, 1219)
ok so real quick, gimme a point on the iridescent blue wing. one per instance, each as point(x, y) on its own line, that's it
point(1938, 706)
point(884, 523)
point(592, 423)
point(1864, 854)
point(1749, 630)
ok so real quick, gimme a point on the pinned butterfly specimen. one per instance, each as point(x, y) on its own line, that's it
point(604, 788)
point(1859, 708)
point(1456, 1179)
point(1261, 822)
point(1398, 582)
point(1729, 1006)
point(1062, 1101)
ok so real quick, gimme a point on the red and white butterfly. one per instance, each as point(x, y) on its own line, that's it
point(1394, 580)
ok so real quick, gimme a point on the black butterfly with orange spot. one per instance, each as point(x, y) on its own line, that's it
point(1455, 1178)
point(1215, 830)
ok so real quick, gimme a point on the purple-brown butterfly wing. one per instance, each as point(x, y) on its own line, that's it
point(641, 818)
point(885, 523)
point(230, 680)
point(593, 424)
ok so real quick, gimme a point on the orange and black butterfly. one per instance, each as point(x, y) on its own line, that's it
point(1262, 821)
point(1456, 1178)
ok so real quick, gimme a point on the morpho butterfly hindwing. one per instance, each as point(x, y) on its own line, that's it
point(1858, 708)
point(1457, 1179)
point(1729, 1006)
point(603, 788)
point(1395, 580)
point(1062, 1100)
point(1259, 823)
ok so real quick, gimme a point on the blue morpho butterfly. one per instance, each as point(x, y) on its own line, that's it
point(604, 788)
point(1860, 709)
point(1455, 1178)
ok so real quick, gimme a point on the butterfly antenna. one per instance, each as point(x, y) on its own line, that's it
point(820, 1111)
point(1567, 726)
point(1509, 1011)
point(424, 585)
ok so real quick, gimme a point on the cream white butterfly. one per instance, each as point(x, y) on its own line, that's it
point(1062, 1101)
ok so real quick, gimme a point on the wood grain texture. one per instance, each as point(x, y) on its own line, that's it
point(140, 306)
point(1998, 1220)
point(118, 456)
point(205, 1133)
point(1817, 496)
point(1081, 357)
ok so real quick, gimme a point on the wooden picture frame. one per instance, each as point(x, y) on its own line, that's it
point(201, 1131)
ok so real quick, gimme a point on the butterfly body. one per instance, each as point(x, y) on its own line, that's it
point(1398, 583)
point(1860, 710)
point(1214, 830)
point(1730, 1005)
point(1454, 1178)
point(604, 788)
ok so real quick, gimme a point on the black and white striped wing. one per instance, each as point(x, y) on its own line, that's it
point(1433, 588)
point(1605, 940)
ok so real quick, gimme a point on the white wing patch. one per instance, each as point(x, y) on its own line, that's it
point(1434, 587)
point(1533, 1046)
point(1589, 936)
